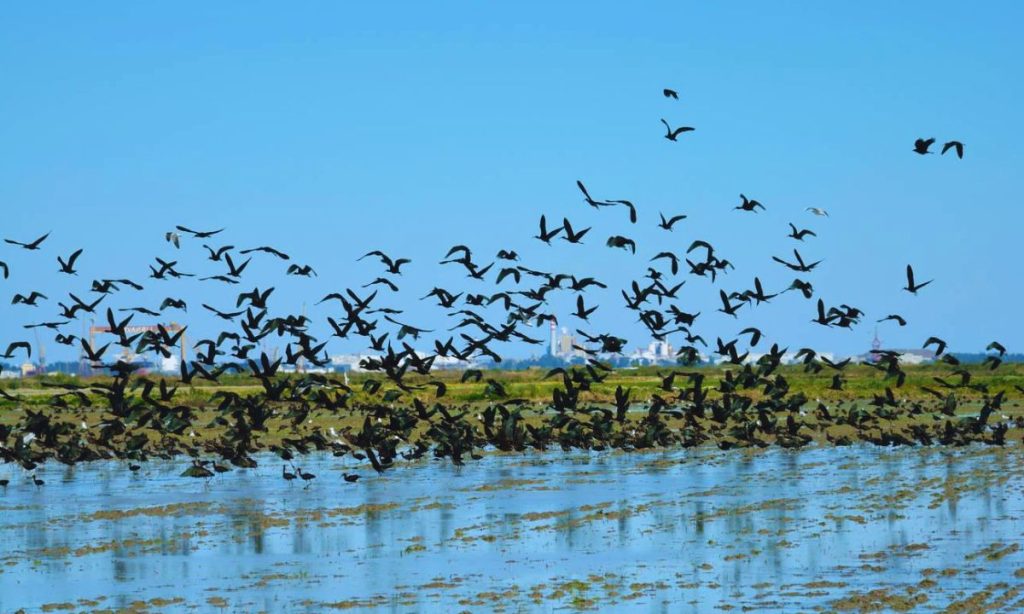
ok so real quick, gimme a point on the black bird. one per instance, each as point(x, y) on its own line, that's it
point(749, 205)
point(235, 271)
point(586, 197)
point(799, 234)
point(623, 242)
point(350, 477)
point(912, 287)
point(303, 271)
point(896, 317)
point(38, 482)
point(670, 94)
point(287, 475)
point(940, 345)
point(581, 311)
point(216, 254)
point(174, 303)
point(570, 236)
point(921, 146)
point(34, 245)
point(266, 250)
point(393, 266)
point(727, 307)
point(229, 316)
point(382, 281)
point(804, 287)
point(7, 271)
point(30, 300)
point(755, 335)
point(305, 476)
point(997, 347)
point(671, 134)
point(544, 235)
point(69, 265)
point(507, 255)
point(954, 145)
point(800, 266)
point(199, 234)
point(17, 344)
point(667, 224)
point(671, 258)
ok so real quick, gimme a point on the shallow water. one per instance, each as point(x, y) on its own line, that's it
point(680, 531)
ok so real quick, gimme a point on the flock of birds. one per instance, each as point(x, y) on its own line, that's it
point(133, 417)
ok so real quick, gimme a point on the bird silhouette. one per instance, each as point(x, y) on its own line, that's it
point(667, 224)
point(749, 205)
point(68, 266)
point(671, 134)
point(546, 235)
point(912, 287)
point(921, 146)
point(34, 245)
point(957, 146)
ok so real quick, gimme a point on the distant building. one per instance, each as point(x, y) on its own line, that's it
point(907, 356)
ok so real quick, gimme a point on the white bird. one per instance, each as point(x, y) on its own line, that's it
point(817, 211)
point(173, 237)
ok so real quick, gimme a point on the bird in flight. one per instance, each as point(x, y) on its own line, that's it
point(668, 223)
point(817, 211)
point(545, 235)
point(921, 146)
point(392, 265)
point(199, 234)
point(912, 287)
point(671, 134)
point(749, 205)
point(957, 145)
point(623, 242)
point(799, 234)
point(34, 245)
point(69, 265)
point(670, 94)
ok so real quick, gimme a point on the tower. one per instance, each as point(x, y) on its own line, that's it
point(553, 350)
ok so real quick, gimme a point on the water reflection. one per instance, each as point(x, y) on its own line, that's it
point(638, 531)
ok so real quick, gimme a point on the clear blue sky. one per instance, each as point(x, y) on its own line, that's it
point(328, 129)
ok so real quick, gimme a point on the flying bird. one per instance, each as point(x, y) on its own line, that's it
point(544, 235)
point(668, 223)
point(957, 145)
point(749, 205)
point(68, 266)
point(912, 287)
point(267, 250)
point(199, 234)
point(30, 300)
point(570, 236)
point(303, 270)
point(817, 211)
point(921, 146)
point(799, 234)
point(623, 242)
point(393, 266)
point(671, 134)
point(667, 93)
point(34, 245)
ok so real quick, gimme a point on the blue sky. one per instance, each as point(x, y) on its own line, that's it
point(330, 129)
